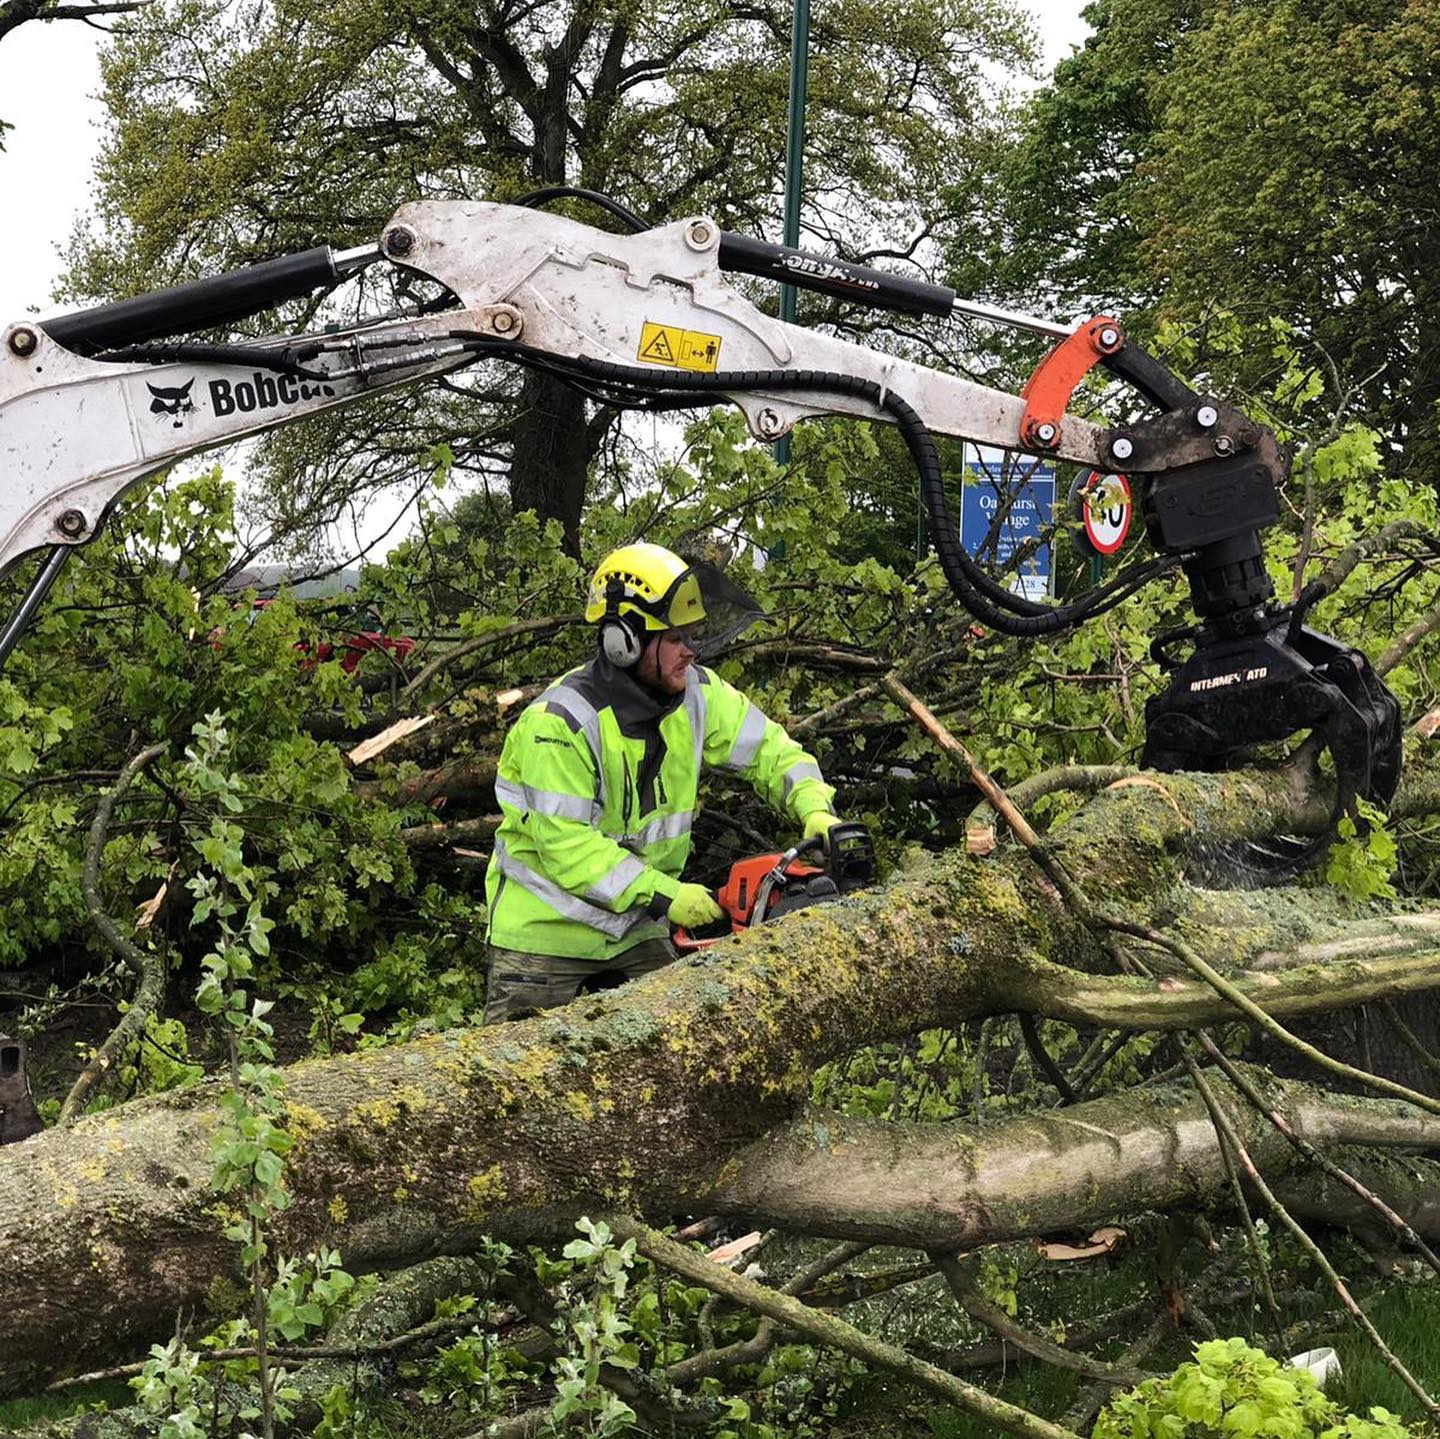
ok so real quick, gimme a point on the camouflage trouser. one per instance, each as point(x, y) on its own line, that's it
point(519, 984)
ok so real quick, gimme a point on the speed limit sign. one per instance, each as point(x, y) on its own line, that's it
point(1105, 510)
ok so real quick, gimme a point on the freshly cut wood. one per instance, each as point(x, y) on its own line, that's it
point(368, 749)
point(1104, 1240)
point(725, 1253)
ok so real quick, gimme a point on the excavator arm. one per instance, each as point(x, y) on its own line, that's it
point(94, 402)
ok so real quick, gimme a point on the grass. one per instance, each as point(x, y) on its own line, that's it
point(25, 1413)
point(1408, 1317)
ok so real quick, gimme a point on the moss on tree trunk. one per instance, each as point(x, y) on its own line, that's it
point(645, 1098)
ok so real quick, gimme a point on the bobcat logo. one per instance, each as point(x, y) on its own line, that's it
point(171, 402)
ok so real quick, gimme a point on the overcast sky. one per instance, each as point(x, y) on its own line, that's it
point(49, 78)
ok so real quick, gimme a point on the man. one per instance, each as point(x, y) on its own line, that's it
point(598, 779)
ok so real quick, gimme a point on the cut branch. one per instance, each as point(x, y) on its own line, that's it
point(833, 1332)
point(469, 647)
point(445, 836)
point(942, 1188)
point(994, 1318)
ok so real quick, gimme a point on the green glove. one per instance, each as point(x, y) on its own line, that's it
point(694, 906)
point(820, 822)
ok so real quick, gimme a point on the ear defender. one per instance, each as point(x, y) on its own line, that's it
point(620, 638)
point(619, 643)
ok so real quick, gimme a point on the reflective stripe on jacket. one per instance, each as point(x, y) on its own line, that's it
point(597, 787)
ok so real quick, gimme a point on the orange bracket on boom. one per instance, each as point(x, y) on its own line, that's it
point(1049, 389)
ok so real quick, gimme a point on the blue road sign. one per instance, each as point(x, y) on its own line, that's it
point(1001, 510)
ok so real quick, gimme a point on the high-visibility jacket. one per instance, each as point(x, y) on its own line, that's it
point(597, 787)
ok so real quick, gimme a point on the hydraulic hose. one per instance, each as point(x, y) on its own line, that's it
point(539, 198)
point(985, 598)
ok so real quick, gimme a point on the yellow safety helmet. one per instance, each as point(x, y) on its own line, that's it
point(648, 581)
point(645, 589)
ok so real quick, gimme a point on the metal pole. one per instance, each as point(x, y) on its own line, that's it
point(795, 140)
point(34, 597)
point(794, 164)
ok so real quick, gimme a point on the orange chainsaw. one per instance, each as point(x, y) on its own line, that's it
point(763, 887)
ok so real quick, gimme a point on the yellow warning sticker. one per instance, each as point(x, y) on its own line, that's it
point(684, 349)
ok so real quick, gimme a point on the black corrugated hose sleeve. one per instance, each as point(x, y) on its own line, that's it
point(990, 602)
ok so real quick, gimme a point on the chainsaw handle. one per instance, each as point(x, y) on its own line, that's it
point(687, 943)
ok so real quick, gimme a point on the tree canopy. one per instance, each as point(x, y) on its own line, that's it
point(242, 132)
point(1203, 161)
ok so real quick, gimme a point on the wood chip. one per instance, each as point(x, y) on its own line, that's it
point(1103, 1241)
point(736, 1247)
point(1428, 723)
point(506, 698)
point(469, 853)
point(980, 840)
point(366, 750)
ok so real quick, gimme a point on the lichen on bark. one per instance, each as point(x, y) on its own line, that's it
point(654, 1095)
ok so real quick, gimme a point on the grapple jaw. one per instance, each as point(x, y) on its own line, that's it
point(1239, 690)
point(1209, 486)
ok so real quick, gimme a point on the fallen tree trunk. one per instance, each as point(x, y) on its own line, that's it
point(941, 1187)
point(646, 1098)
point(932, 1185)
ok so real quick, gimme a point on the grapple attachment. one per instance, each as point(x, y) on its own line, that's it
point(1237, 691)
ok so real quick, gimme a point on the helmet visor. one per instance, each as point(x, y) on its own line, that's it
point(728, 610)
